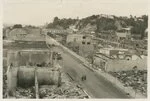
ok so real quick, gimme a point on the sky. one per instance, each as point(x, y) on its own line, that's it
point(39, 12)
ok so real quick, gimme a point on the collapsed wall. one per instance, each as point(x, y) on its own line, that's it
point(25, 57)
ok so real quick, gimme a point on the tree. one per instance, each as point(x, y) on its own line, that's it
point(17, 26)
point(139, 26)
point(50, 25)
point(105, 24)
point(56, 20)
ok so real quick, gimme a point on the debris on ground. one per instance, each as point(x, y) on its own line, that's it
point(68, 89)
point(25, 92)
point(135, 79)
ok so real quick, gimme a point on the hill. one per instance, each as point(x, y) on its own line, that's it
point(98, 23)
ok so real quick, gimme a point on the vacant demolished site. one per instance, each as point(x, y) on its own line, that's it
point(29, 73)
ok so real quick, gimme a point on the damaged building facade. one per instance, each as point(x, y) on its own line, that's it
point(119, 60)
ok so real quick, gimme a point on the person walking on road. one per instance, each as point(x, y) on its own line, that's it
point(83, 77)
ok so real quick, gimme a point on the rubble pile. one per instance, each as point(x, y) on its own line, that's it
point(66, 90)
point(25, 92)
point(135, 79)
point(4, 85)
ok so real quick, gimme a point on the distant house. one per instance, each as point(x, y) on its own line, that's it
point(136, 36)
point(73, 28)
point(70, 31)
point(119, 60)
point(86, 47)
point(51, 30)
point(106, 16)
point(84, 43)
point(141, 19)
point(78, 38)
point(114, 52)
point(124, 33)
point(88, 29)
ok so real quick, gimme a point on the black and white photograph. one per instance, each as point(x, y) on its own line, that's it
point(74, 49)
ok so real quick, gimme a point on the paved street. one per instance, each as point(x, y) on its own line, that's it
point(95, 85)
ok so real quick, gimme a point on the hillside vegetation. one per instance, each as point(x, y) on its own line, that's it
point(103, 23)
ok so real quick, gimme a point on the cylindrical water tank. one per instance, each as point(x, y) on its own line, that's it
point(45, 76)
point(25, 77)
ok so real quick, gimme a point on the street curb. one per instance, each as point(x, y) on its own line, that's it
point(87, 66)
point(86, 93)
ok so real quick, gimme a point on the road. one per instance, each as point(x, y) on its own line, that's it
point(95, 85)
